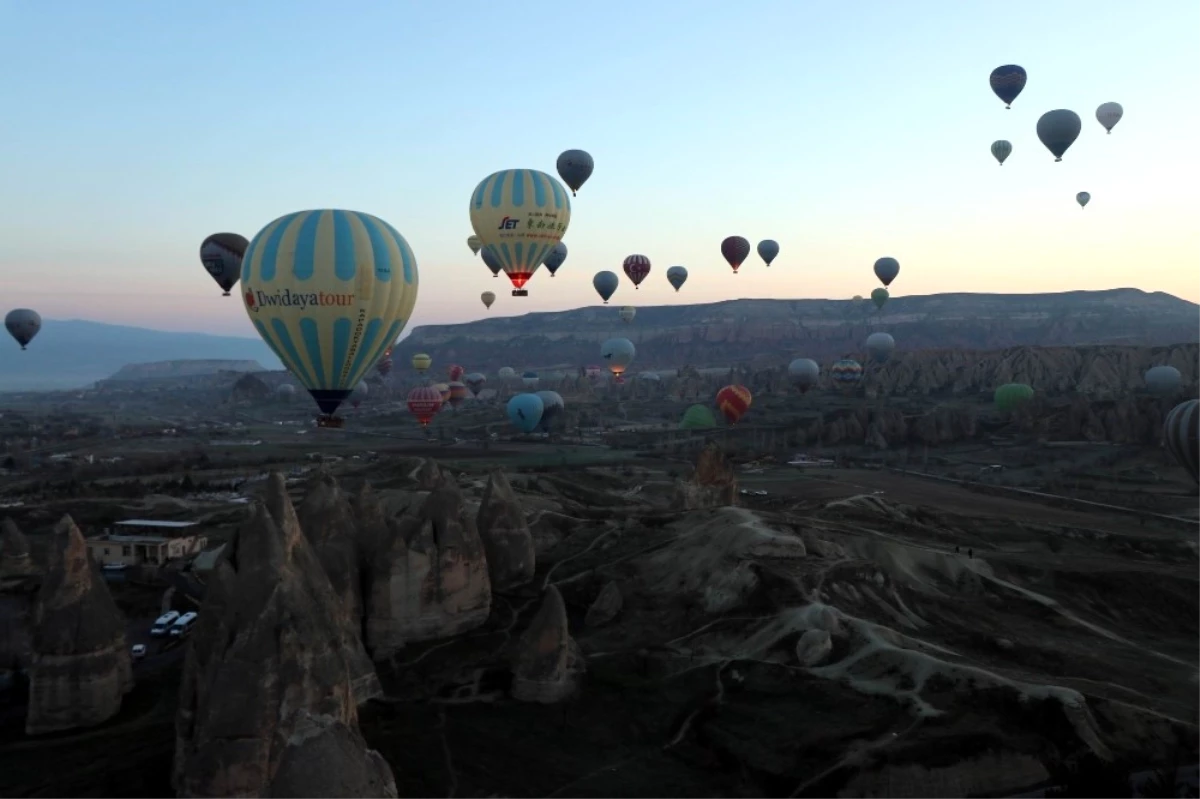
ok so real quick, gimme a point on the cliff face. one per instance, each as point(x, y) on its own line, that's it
point(779, 330)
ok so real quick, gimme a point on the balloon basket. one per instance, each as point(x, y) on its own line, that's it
point(520, 292)
point(330, 420)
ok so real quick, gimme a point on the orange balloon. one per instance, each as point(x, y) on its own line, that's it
point(733, 402)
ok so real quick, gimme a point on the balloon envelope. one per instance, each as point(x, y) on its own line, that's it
point(421, 362)
point(530, 379)
point(1109, 114)
point(846, 373)
point(636, 268)
point(697, 417)
point(458, 393)
point(475, 381)
point(525, 411)
point(424, 402)
point(733, 402)
point(555, 258)
point(804, 373)
point(735, 249)
point(1181, 436)
point(677, 276)
point(506, 373)
point(606, 284)
point(475, 243)
point(575, 167)
point(886, 270)
point(617, 353)
point(329, 291)
point(880, 298)
point(552, 407)
point(488, 297)
point(1058, 130)
point(880, 346)
point(1163, 381)
point(627, 313)
point(221, 254)
point(1001, 150)
point(519, 215)
point(1007, 82)
point(1083, 198)
point(768, 249)
point(23, 324)
point(1011, 396)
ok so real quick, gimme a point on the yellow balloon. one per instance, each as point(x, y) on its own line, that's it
point(488, 298)
point(329, 291)
point(474, 243)
point(421, 362)
point(519, 215)
point(627, 313)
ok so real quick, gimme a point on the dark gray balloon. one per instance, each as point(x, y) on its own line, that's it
point(606, 284)
point(886, 270)
point(880, 346)
point(491, 261)
point(575, 167)
point(768, 249)
point(677, 276)
point(1181, 436)
point(552, 408)
point(554, 259)
point(1163, 380)
point(1058, 130)
point(23, 324)
point(221, 254)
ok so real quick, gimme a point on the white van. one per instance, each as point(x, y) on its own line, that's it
point(183, 625)
point(163, 623)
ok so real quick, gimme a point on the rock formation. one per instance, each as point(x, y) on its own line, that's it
point(273, 676)
point(546, 660)
point(712, 485)
point(328, 521)
point(606, 606)
point(429, 578)
point(505, 533)
point(15, 557)
point(81, 667)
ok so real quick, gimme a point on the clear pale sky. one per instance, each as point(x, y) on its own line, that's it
point(846, 131)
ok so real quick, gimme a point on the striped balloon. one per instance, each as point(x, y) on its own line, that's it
point(733, 402)
point(424, 402)
point(636, 267)
point(458, 394)
point(329, 291)
point(454, 372)
point(735, 250)
point(443, 391)
point(1181, 436)
point(846, 373)
point(421, 362)
point(520, 215)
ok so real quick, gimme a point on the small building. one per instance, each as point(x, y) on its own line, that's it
point(113, 549)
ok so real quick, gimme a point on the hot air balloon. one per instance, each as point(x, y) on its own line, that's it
point(846, 373)
point(617, 354)
point(221, 254)
point(458, 394)
point(627, 313)
point(636, 268)
point(384, 367)
point(475, 243)
point(1058, 130)
point(424, 402)
point(421, 362)
point(593, 372)
point(552, 408)
point(1163, 381)
point(605, 284)
point(1007, 82)
point(1083, 198)
point(880, 298)
point(454, 372)
point(519, 215)
point(555, 258)
point(23, 324)
point(443, 390)
point(886, 270)
point(768, 249)
point(677, 276)
point(488, 298)
point(735, 249)
point(1109, 114)
point(1011, 396)
point(492, 263)
point(1181, 436)
point(697, 417)
point(525, 411)
point(1001, 150)
point(285, 391)
point(575, 167)
point(804, 373)
point(359, 393)
point(530, 379)
point(880, 346)
point(506, 373)
point(329, 291)
point(733, 402)
point(475, 381)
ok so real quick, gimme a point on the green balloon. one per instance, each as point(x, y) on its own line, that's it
point(1012, 395)
point(697, 417)
point(879, 297)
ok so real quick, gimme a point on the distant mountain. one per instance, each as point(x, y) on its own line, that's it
point(170, 370)
point(769, 332)
point(76, 353)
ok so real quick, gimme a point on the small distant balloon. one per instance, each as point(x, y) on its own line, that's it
point(475, 243)
point(1083, 198)
point(1181, 436)
point(423, 403)
point(804, 373)
point(475, 381)
point(488, 298)
point(421, 362)
point(506, 373)
point(221, 254)
point(492, 262)
point(1058, 130)
point(677, 276)
point(880, 298)
point(23, 324)
point(735, 250)
point(458, 394)
point(555, 258)
point(846, 373)
point(530, 379)
point(886, 270)
point(1007, 82)
point(1001, 150)
point(733, 402)
point(454, 372)
point(1109, 114)
point(617, 354)
point(1163, 381)
point(768, 250)
point(525, 412)
point(880, 346)
point(636, 268)
point(606, 283)
point(552, 408)
point(627, 313)
point(575, 167)
point(1011, 396)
